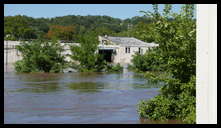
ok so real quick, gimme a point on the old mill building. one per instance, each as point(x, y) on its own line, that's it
point(115, 49)
point(121, 49)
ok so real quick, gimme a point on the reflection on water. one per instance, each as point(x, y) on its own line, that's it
point(39, 88)
point(38, 77)
point(86, 86)
point(74, 97)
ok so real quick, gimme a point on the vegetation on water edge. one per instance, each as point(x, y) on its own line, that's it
point(176, 101)
point(176, 56)
point(40, 56)
point(88, 57)
point(46, 56)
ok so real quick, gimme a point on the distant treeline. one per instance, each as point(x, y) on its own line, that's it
point(70, 27)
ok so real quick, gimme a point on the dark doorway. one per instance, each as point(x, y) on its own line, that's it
point(107, 54)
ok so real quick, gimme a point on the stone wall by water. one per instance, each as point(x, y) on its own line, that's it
point(11, 54)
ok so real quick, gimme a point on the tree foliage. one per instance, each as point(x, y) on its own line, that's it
point(176, 55)
point(61, 32)
point(150, 61)
point(86, 54)
point(18, 28)
point(40, 56)
point(24, 27)
point(88, 57)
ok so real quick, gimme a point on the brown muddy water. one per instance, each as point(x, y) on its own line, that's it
point(75, 97)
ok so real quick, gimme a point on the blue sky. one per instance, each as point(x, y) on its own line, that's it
point(122, 11)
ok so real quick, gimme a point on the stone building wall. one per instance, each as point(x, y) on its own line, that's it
point(11, 55)
point(125, 58)
point(121, 56)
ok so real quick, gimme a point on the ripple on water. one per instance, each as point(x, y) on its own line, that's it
point(74, 97)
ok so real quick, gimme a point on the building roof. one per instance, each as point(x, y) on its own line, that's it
point(129, 41)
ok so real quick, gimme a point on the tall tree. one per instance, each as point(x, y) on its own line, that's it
point(19, 27)
point(177, 49)
point(40, 56)
point(86, 54)
point(61, 32)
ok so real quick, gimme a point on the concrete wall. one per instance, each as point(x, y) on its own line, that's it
point(67, 50)
point(14, 55)
point(11, 55)
point(125, 58)
point(121, 56)
point(11, 52)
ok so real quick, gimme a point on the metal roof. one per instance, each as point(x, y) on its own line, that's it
point(129, 41)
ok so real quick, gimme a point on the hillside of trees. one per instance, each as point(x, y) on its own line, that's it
point(21, 27)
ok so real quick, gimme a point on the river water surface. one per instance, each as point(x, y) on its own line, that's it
point(75, 97)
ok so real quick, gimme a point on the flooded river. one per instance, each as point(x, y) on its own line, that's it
point(75, 97)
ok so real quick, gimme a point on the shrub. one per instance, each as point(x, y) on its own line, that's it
point(176, 101)
point(91, 61)
point(158, 108)
point(40, 56)
point(86, 54)
point(113, 68)
point(150, 61)
point(175, 55)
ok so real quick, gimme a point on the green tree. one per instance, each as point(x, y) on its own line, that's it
point(86, 54)
point(143, 31)
point(40, 56)
point(177, 49)
point(61, 32)
point(24, 27)
point(103, 31)
point(150, 61)
point(19, 27)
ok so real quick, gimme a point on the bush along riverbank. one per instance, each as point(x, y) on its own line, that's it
point(40, 56)
point(176, 56)
point(88, 57)
point(46, 56)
